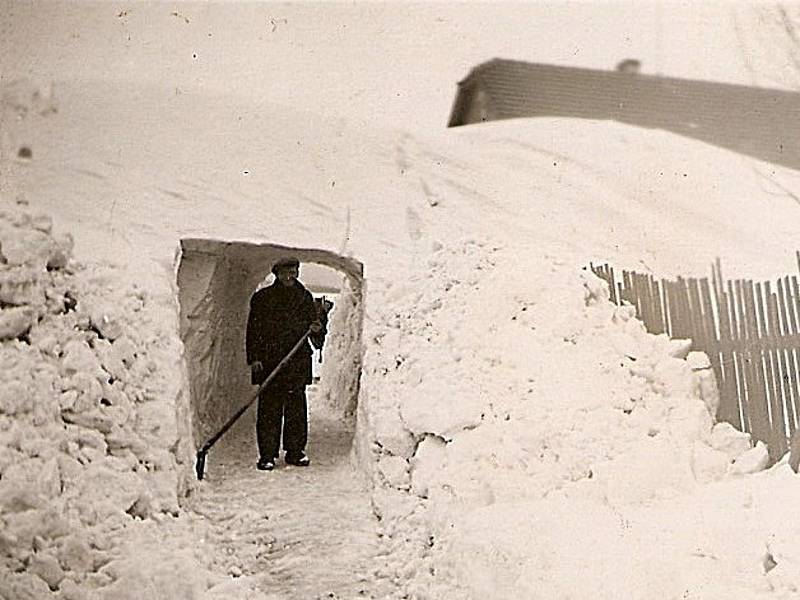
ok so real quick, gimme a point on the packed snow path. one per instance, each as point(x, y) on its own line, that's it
point(303, 532)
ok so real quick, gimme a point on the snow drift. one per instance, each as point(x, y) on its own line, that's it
point(91, 393)
point(590, 468)
point(525, 437)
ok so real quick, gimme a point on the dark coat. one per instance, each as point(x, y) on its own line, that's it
point(279, 316)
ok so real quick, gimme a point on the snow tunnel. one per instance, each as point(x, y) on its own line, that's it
point(215, 282)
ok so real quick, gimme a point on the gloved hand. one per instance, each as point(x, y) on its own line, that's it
point(256, 372)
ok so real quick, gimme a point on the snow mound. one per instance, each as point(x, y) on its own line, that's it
point(87, 412)
point(556, 449)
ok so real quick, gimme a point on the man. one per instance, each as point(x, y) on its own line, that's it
point(280, 315)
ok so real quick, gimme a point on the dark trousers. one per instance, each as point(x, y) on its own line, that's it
point(286, 404)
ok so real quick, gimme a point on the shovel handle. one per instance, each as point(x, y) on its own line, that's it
point(201, 454)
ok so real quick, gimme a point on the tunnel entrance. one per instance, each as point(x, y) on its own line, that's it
point(215, 282)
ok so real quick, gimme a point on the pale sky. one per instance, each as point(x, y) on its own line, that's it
point(392, 64)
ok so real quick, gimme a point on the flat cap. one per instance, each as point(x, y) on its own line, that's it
point(285, 262)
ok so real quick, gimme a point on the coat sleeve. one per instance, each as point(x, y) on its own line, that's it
point(254, 332)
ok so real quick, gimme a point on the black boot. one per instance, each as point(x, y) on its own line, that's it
point(265, 464)
point(298, 460)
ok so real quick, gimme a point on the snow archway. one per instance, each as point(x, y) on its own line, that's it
point(215, 282)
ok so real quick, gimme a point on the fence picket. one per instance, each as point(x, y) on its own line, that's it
point(641, 298)
point(787, 358)
point(743, 359)
point(655, 304)
point(658, 306)
point(712, 345)
point(729, 403)
point(773, 333)
point(794, 354)
point(680, 304)
point(708, 311)
point(666, 287)
point(752, 386)
point(700, 333)
point(766, 354)
point(637, 294)
point(695, 331)
point(611, 284)
point(677, 311)
point(624, 293)
point(762, 424)
point(647, 302)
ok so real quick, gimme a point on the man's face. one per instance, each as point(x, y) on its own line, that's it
point(287, 275)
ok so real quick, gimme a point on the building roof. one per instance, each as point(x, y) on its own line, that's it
point(758, 121)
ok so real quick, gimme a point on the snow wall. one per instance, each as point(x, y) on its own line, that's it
point(91, 395)
point(340, 377)
point(540, 443)
point(215, 281)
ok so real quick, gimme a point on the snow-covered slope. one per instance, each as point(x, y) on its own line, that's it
point(517, 425)
point(140, 167)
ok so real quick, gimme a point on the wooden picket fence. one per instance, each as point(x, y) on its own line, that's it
point(750, 332)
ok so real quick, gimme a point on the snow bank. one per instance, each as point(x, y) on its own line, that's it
point(94, 414)
point(89, 390)
point(555, 449)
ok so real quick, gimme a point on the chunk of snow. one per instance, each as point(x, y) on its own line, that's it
point(752, 461)
point(729, 440)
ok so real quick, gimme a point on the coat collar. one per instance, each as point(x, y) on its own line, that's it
point(296, 286)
